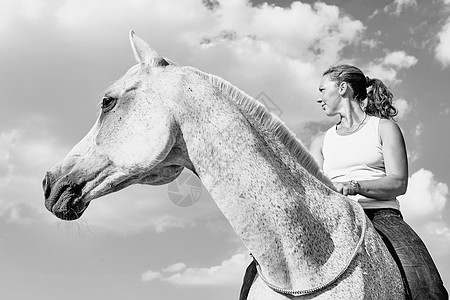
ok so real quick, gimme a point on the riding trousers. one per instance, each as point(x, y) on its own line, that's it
point(410, 253)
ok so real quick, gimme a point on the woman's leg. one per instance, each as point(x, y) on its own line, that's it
point(422, 275)
point(249, 276)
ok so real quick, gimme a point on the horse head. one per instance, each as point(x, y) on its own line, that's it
point(134, 140)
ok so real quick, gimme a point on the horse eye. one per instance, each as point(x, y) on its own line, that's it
point(108, 103)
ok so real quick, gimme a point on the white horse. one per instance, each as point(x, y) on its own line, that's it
point(159, 118)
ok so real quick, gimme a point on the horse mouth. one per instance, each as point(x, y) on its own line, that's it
point(65, 200)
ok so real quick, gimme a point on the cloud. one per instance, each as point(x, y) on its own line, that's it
point(229, 272)
point(233, 39)
point(276, 55)
point(398, 6)
point(403, 108)
point(442, 50)
point(20, 213)
point(418, 130)
point(387, 68)
point(325, 30)
point(150, 275)
point(415, 150)
point(140, 208)
point(165, 222)
point(444, 109)
point(371, 43)
point(399, 60)
point(425, 198)
point(211, 4)
point(8, 142)
point(413, 155)
point(26, 10)
point(25, 155)
point(375, 13)
point(175, 268)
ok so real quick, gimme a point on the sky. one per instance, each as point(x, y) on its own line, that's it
point(172, 242)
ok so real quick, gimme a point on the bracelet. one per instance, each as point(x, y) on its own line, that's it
point(355, 185)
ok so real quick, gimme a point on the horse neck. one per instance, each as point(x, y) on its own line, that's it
point(297, 228)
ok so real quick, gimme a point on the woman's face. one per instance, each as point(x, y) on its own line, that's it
point(329, 97)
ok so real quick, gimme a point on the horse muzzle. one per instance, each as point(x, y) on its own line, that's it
point(63, 196)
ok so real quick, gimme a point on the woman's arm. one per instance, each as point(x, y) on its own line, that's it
point(316, 149)
point(395, 159)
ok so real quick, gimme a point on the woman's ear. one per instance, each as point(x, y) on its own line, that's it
point(343, 88)
point(364, 104)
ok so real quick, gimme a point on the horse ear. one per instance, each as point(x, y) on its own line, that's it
point(144, 53)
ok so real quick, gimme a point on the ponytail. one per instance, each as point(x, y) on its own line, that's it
point(379, 100)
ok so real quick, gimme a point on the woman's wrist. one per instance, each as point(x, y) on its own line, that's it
point(355, 186)
point(348, 188)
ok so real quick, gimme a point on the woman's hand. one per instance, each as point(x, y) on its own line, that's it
point(347, 188)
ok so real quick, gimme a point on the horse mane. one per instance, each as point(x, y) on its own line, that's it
point(268, 122)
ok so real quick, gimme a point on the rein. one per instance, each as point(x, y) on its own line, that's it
point(324, 285)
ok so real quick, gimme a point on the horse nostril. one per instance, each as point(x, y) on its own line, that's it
point(46, 185)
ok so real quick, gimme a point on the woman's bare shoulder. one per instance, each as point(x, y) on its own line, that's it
point(318, 137)
point(317, 140)
point(389, 130)
point(388, 126)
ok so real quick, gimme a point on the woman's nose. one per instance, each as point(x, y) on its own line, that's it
point(319, 100)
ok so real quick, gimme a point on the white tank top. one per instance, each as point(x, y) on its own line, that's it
point(357, 156)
